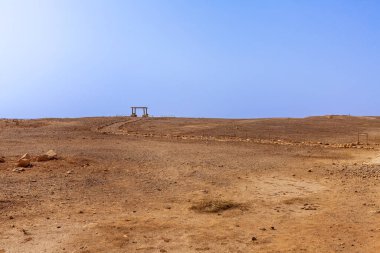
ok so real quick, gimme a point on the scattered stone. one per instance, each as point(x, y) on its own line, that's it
point(254, 238)
point(2, 160)
point(18, 170)
point(310, 170)
point(69, 172)
point(24, 161)
point(273, 228)
point(50, 155)
point(42, 158)
point(26, 156)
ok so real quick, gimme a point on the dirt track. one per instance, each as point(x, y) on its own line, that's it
point(139, 185)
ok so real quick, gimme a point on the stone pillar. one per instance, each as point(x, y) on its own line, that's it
point(133, 112)
point(145, 109)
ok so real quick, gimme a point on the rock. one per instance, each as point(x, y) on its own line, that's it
point(23, 163)
point(42, 158)
point(50, 155)
point(26, 156)
point(18, 170)
point(2, 160)
point(254, 238)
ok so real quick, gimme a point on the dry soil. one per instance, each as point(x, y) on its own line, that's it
point(125, 184)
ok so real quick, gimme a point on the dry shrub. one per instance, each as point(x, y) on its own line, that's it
point(214, 206)
point(295, 200)
point(5, 204)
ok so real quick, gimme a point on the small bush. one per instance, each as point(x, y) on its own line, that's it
point(214, 206)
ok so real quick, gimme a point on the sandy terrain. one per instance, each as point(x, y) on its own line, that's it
point(125, 184)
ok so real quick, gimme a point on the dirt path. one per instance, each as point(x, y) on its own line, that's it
point(115, 127)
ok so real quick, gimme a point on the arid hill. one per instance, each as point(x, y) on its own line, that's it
point(123, 184)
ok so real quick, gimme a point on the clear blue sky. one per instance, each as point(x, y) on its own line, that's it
point(215, 58)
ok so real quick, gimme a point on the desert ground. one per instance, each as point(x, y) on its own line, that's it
point(121, 184)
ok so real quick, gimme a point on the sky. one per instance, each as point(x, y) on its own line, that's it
point(193, 58)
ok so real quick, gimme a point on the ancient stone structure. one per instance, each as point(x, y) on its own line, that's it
point(134, 111)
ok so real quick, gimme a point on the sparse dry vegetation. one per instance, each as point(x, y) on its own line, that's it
point(214, 206)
